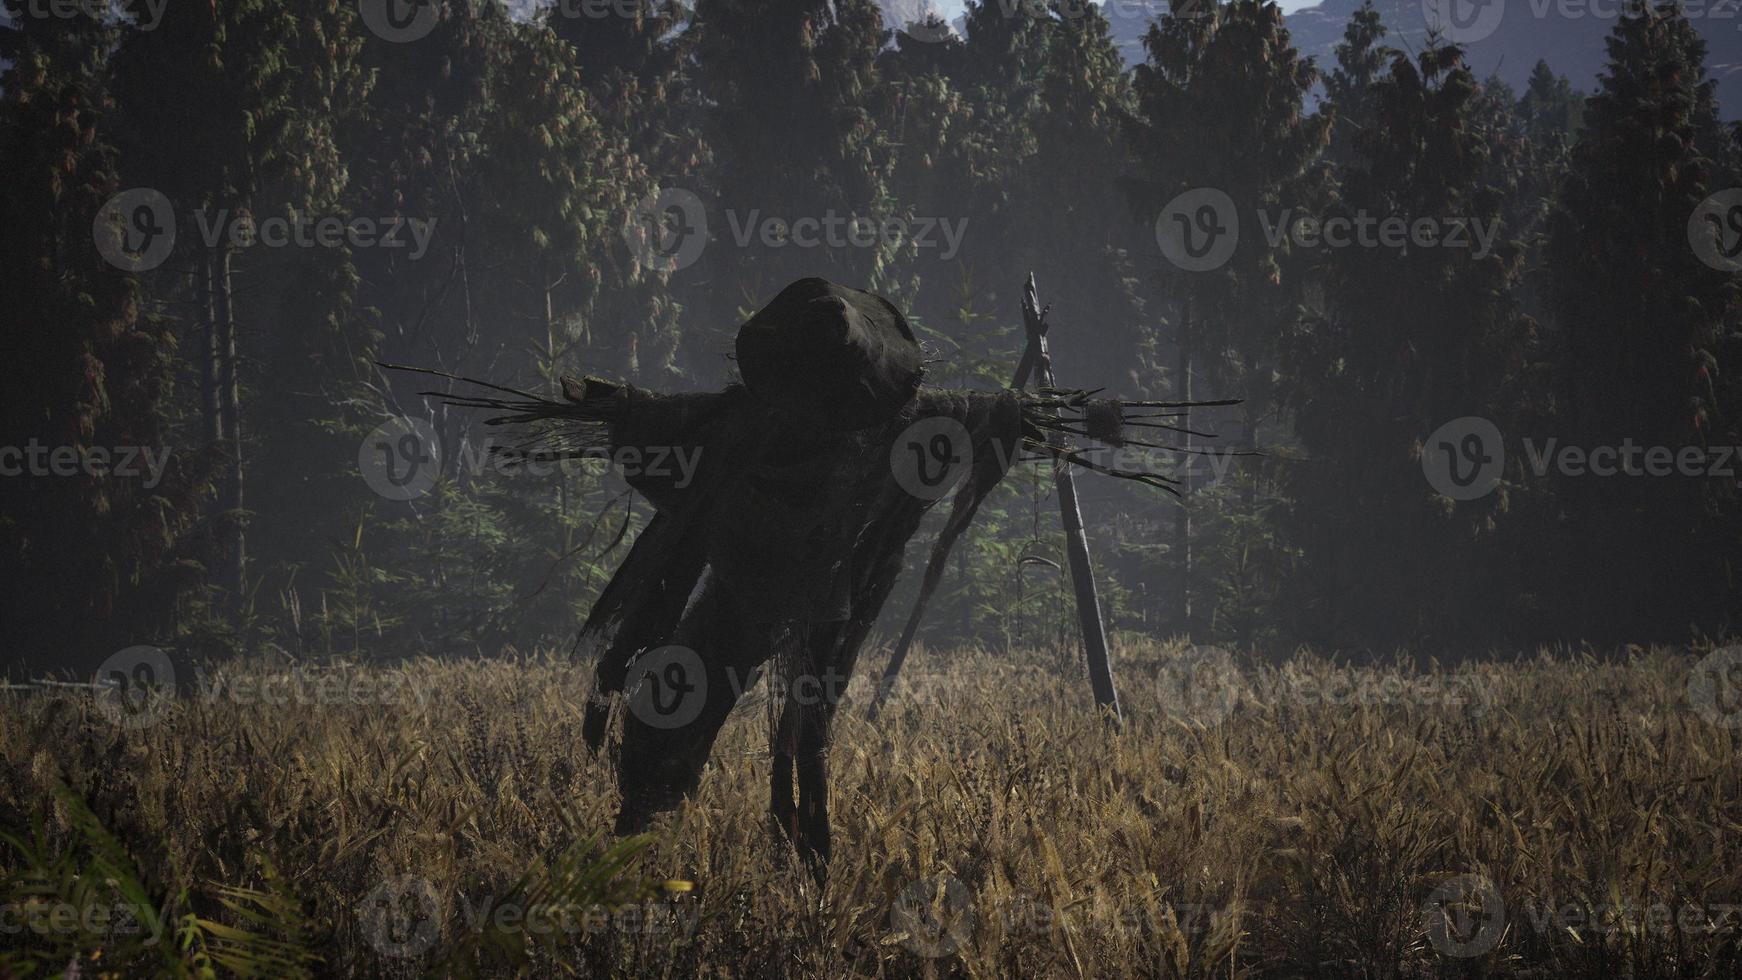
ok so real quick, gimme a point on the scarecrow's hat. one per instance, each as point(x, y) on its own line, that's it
point(841, 356)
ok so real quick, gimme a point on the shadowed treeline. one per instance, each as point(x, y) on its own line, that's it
point(1484, 342)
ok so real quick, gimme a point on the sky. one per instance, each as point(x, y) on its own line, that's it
point(953, 8)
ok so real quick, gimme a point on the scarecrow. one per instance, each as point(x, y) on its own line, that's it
point(782, 548)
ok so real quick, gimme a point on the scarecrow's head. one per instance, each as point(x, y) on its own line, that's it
point(841, 357)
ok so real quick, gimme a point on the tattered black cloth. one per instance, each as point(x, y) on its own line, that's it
point(836, 356)
point(779, 510)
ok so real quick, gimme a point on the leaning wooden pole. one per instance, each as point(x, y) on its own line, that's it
point(1038, 360)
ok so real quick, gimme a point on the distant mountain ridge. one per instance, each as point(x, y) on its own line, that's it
point(1567, 33)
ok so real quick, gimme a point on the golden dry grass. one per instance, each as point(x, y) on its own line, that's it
point(1566, 816)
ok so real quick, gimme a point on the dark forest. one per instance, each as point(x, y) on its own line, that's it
point(414, 402)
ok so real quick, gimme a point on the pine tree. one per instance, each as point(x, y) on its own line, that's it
point(1640, 317)
point(637, 71)
point(96, 543)
point(1550, 109)
point(488, 128)
point(1006, 47)
point(1067, 190)
point(1221, 107)
point(793, 125)
point(1409, 338)
point(1362, 58)
point(216, 113)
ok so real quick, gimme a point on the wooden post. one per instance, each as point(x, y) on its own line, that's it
point(1037, 360)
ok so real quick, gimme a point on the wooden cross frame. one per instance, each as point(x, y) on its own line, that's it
point(1036, 360)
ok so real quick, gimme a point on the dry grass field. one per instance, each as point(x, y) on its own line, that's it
point(1554, 816)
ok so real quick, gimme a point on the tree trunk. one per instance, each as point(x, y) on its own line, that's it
point(556, 385)
point(1182, 518)
point(1249, 412)
point(1248, 497)
point(230, 415)
point(211, 424)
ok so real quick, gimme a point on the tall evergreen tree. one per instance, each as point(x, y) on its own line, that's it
point(96, 508)
point(231, 111)
point(637, 71)
point(795, 100)
point(1640, 316)
point(1362, 57)
point(1221, 109)
point(1550, 109)
point(1411, 338)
